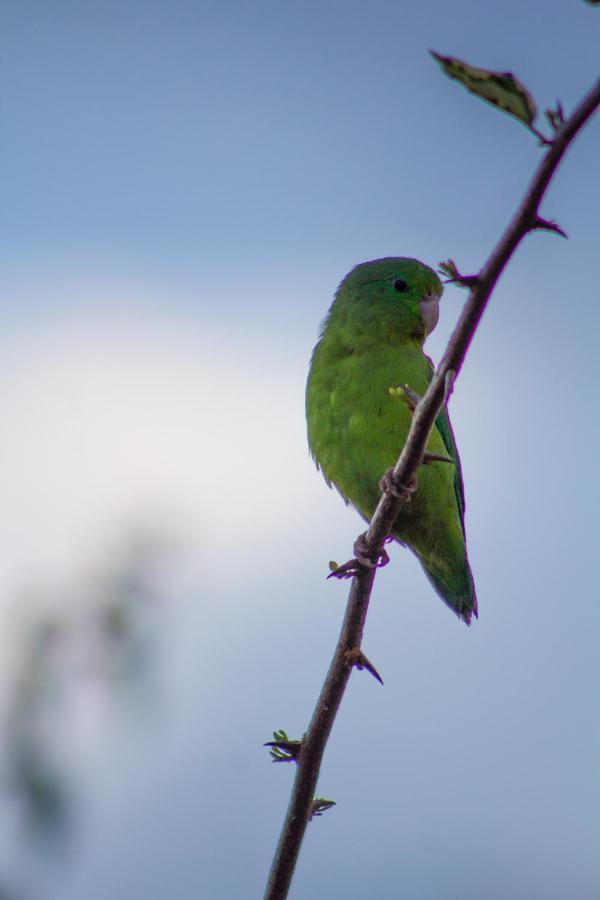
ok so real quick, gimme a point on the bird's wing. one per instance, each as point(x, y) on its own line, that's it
point(442, 423)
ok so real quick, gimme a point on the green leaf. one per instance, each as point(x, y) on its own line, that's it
point(282, 749)
point(501, 89)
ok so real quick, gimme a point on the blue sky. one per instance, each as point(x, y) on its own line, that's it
point(185, 186)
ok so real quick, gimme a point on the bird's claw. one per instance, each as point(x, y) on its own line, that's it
point(403, 492)
point(368, 558)
point(364, 558)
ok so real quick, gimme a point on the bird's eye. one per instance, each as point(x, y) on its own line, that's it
point(400, 285)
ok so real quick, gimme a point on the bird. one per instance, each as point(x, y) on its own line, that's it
point(372, 340)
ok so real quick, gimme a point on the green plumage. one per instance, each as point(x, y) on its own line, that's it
point(372, 339)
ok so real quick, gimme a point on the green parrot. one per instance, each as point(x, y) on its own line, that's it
point(372, 339)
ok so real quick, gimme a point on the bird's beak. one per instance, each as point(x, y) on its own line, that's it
point(430, 311)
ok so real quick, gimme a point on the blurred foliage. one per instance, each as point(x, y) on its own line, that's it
point(96, 646)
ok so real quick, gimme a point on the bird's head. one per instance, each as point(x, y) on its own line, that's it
point(391, 298)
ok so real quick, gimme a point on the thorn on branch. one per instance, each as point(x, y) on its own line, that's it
point(319, 806)
point(454, 276)
point(358, 659)
point(429, 458)
point(282, 748)
point(540, 224)
point(345, 570)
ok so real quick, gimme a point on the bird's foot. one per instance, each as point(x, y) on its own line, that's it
point(403, 492)
point(407, 394)
point(370, 559)
point(364, 558)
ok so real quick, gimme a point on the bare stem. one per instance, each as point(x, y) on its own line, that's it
point(427, 409)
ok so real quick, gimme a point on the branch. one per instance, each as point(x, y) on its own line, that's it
point(427, 409)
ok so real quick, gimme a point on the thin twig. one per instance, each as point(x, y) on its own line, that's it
point(313, 744)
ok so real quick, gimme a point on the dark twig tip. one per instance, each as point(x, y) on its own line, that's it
point(555, 117)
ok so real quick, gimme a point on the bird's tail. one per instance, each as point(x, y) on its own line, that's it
point(455, 587)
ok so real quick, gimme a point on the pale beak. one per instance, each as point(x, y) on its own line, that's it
point(430, 311)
